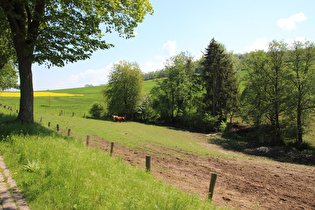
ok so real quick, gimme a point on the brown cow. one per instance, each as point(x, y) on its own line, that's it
point(119, 119)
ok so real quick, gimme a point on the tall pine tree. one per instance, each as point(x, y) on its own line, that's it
point(220, 81)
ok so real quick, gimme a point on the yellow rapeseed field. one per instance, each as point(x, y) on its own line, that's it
point(37, 94)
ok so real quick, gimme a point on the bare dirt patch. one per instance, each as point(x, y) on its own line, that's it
point(245, 182)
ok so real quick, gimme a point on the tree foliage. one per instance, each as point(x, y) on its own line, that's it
point(57, 32)
point(8, 76)
point(123, 91)
point(96, 110)
point(172, 95)
point(279, 90)
point(301, 61)
point(220, 81)
point(8, 73)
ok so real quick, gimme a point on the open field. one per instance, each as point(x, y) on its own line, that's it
point(79, 105)
point(185, 159)
point(58, 172)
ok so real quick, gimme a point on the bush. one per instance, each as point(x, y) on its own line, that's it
point(225, 127)
point(199, 121)
point(97, 110)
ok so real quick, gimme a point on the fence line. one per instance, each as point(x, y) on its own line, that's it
point(147, 162)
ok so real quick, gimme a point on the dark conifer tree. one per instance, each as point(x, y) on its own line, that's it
point(220, 81)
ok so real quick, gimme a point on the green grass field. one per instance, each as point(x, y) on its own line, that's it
point(79, 105)
point(54, 171)
point(57, 172)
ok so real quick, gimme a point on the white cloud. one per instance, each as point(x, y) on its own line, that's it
point(159, 57)
point(259, 44)
point(150, 66)
point(91, 77)
point(289, 24)
point(291, 41)
point(169, 48)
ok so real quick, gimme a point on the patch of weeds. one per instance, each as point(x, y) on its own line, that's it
point(32, 166)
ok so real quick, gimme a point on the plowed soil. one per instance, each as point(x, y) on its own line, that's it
point(243, 182)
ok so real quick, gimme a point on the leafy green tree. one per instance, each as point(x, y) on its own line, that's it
point(278, 89)
point(7, 52)
point(57, 32)
point(96, 110)
point(8, 73)
point(267, 92)
point(8, 76)
point(253, 99)
point(123, 91)
point(172, 95)
point(301, 62)
point(220, 81)
point(144, 110)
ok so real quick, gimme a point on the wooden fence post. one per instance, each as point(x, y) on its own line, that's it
point(41, 119)
point(69, 131)
point(148, 163)
point(111, 148)
point(87, 140)
point(57, 127)
point(48, 124)
point(211, 188)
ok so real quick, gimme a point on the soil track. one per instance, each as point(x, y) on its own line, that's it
point(247, 182)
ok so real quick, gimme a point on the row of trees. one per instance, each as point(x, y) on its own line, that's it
point(184, 97)
point(277, 98)
point(279, 90)
point(155, 74)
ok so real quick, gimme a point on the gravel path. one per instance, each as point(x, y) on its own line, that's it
point(11, 198)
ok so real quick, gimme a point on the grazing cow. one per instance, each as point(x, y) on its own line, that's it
point(119, 119)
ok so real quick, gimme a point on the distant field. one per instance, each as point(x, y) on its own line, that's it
point(37, 94)
point(75, 101)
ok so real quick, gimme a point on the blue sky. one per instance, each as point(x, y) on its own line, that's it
point(185, 25)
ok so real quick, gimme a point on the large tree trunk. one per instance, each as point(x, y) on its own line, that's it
point(24, 21)
point(27, 93)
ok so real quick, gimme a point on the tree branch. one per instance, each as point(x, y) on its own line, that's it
point(33, 27)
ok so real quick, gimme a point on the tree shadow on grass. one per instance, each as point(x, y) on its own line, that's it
point(10, 126)
point(240, 143)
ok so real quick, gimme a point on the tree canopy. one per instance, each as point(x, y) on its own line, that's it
point(172, 95)
point(279, 91)
point(55, 32)
point(124, 88)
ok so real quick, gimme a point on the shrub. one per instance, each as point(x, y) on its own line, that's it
point(97, 110)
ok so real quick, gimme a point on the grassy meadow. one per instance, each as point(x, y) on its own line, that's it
point(58, 172)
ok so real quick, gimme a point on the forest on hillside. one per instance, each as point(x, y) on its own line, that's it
point(272, 92)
